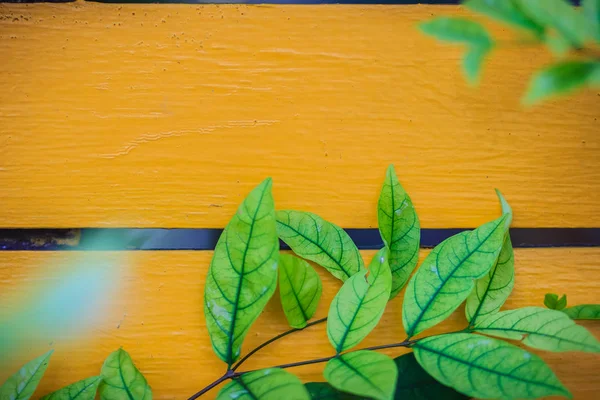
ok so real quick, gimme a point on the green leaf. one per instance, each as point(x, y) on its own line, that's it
point(561, 303)
point(299, 288)
point(446, 277)
point(358, 306)
point(486, 368)
point(550, 300)
point(472, 62)
point(82, 390)
point(557, 14)
point(591, 13)
point(583, 311)
point(493, 289)
point(561, 78)
point(414, 383)
point(364, 373)
point(23, 383)
point(265, 384)
point(505, 11)
point(315, 239)
point(539, 328)
point(324, 391)
point(458, 30)
point(122, 380)
point(399, 228)
point(243, 273)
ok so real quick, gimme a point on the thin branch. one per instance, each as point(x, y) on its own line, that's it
point(228, 375)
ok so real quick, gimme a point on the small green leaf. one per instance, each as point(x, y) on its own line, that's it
point(557, 14)
point(243, 273)
point(561, 78)
point(550, 300)
point(591, 13)
point(358, 306)
point(458, 30)
point(446, 277)
point(265, 384)
point(414, 383)
point(486, 368)
point(583, 311)
point(299, 288)
point(23, 383)
point(324, 391)
point(122, 380)
point(315, 239)
point(82, 390)
point(539, 328)
point(505, 11)
point(399, 228)
point(364, 373)
point(472, 62)
point(561, 303)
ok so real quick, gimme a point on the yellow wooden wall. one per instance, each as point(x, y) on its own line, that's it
point(167, 115)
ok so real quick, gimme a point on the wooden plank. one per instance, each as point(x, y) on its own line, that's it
point(166, 115)
point(155, 313)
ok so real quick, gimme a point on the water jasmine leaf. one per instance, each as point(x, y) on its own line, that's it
point(360, 303)
point(315, 239)
point(414, 383)
point(324, 391)
point(561, 303)
point(265, 384)
point(505, 11)
point(399, 228)
point(562, 78)
point(299, 288)
point(243, 273)
point(446, 277)
point(552, 301)
point(364, 373)
point(23, 383)
point(539, 328)
point(583, 311)
point(473, 60)
point(122, 380)
point(82, 390)
point(458, 30)
point(591, 13)
point(486, 368)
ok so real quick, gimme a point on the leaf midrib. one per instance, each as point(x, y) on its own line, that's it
point(125, 386)
point(487, 289)
point(347, 330)
point(30, 378)
point(287, 277)
point(84, 389)
point(535, 333)
point(361, 375)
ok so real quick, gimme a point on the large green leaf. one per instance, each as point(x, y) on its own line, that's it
point(583, 311)
point(591, 13)
point(243, 273)
point(486, 368)
point(562, 78)
point(324, 391)
point(505, 11)
point(23, 383)
point(265, 384)
point(446, 277)
point(122, 380)
point(493, 289)
point(315, 239)
point(414, 383)
point(399, 228)
point(539, 328)
point(360, 303)
point(364, 373)
point(552, 301)
point(82, 390)
point(299, 288)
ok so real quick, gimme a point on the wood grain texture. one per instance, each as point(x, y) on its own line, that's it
point(166, 115)
point(155, 313)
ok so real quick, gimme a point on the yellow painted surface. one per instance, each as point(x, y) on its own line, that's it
point(157, 316)
point(165, 115)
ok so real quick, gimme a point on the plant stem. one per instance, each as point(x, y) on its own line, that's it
point(228, 375)
point(268, 342)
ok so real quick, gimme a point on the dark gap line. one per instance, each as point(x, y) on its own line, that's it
point(120, 239)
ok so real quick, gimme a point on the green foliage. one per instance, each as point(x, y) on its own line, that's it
point(359, 304)
point(539, 328)
point(399, 228)
point(122, 380)
point(552, 301)
point(583, 311)
point(82, 390)
point(414, 383)
point(243, 273)
point(446, 277)
point(591, 13)
point(324, 391)
point(299, 288)
point(486, 368)
point(364, 373)
point(315, 239)
point(507, 11)
point(265, 384)
point(23, 383)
